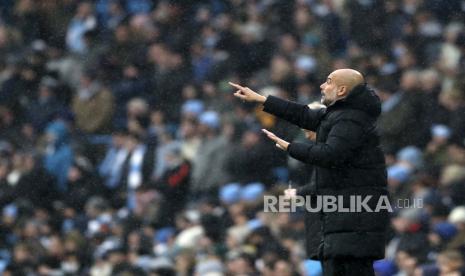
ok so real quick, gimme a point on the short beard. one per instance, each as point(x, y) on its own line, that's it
point(326, 102)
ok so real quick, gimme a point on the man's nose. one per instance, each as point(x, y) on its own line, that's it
point(322, 86)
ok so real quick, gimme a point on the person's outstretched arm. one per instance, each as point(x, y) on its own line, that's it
point(295, 113)
point(344, 138)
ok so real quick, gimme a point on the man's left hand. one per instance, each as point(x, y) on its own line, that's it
point(280, 143)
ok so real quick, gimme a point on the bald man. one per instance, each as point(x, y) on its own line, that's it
point(347, 162)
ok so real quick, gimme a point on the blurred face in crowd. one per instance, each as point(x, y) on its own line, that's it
point(406, 262)
point(137, 107)
point(18, 161)
point(181, 222)
point(71, 245)
point(288, 43)
point(204, 130)
point(122, 33)
point(131, 143)
point(302, 18)
point(282, 268)
point(184, 262)
point(134, 240)
point(55, 246)
point(85, 82)
point(188, 129)
point(44, 92)
point(50, 137)
point(450, 263)
point(451, 99)
point(280, 68)
point(21, 253)
point(28, 74)
point(429, 80)
point(118, 139)
point(31, 229)
point(115, 8)
point(131, 72)
point(116, 258)
point(157, 118)
point(239, 266)
point(158, 55)
point(250, 139)
point(84, 9)
point(400, 224)
point(409, 81)
point(74, 174)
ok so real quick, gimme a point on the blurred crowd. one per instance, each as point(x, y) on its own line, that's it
point(123, 151)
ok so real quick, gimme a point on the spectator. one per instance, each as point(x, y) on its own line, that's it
point(132, 85)
point(33, 183)
point(406, 105)
point(206, 179)
point(174, 184)
point(137, 167)
point(82, 184)
point(42, 109)
point(248, 161)
point(28, 18)
point(112, 164)
point(58, 155)
point(83, 20)
point(93, 105)
point(454, 101)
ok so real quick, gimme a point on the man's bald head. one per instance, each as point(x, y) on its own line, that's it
point(339, 84)
point(347, 77)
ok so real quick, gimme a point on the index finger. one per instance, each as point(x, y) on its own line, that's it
point(236, 85)
point(267, 131)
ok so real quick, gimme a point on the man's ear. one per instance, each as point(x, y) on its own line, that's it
point(342, 92)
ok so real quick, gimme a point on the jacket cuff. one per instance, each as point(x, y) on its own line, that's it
point(273, 104)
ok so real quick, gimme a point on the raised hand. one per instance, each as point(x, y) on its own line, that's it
point(247, 94)
point(280, 143)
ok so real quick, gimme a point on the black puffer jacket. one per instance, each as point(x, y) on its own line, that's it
point(347, 162)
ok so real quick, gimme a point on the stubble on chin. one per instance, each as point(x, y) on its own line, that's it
point(324, 101)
